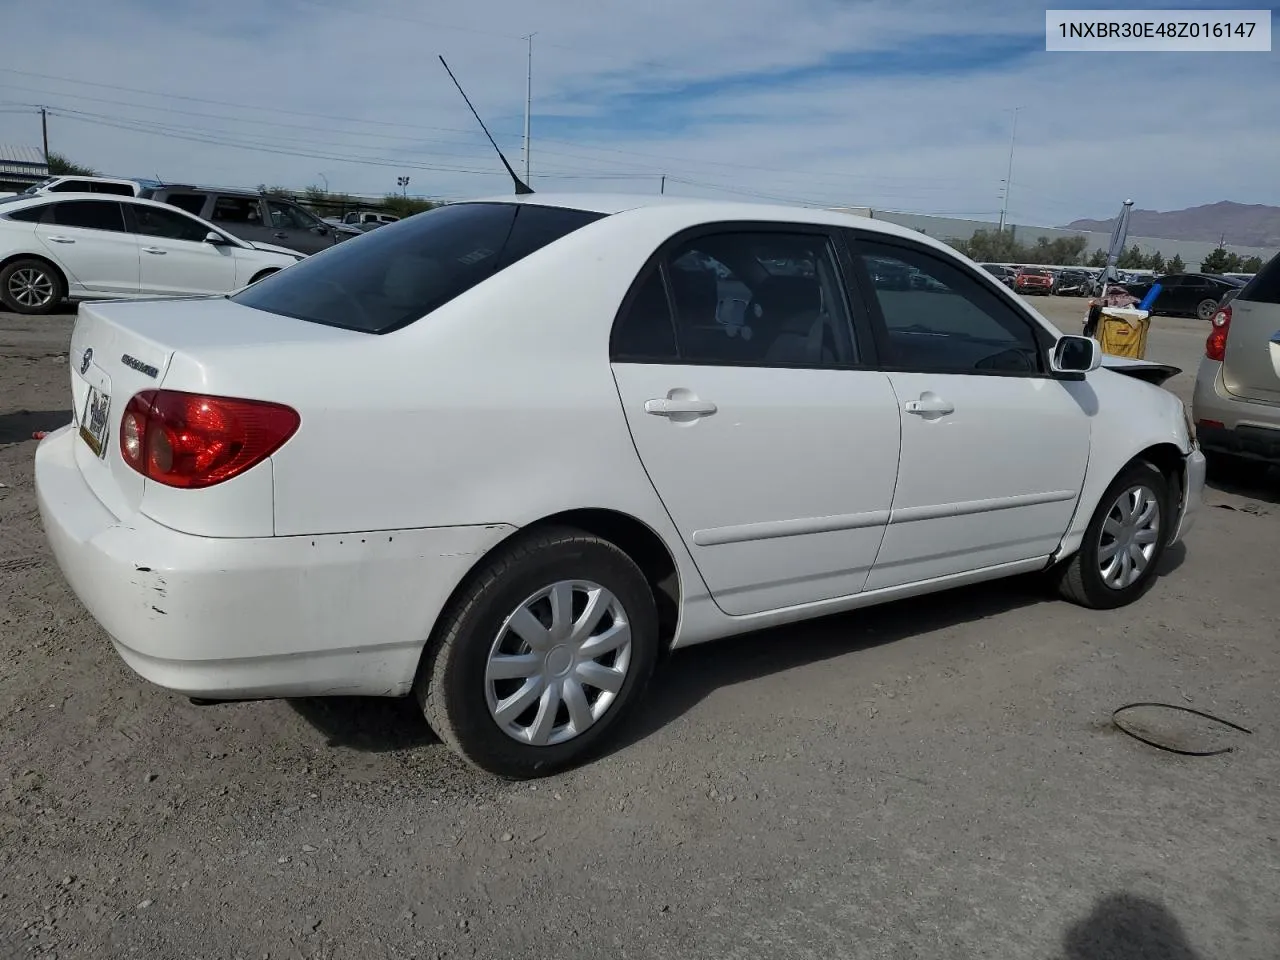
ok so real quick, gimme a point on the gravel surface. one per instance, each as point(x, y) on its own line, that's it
point(936, 778)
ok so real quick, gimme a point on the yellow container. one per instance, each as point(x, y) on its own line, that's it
point(1122, 331)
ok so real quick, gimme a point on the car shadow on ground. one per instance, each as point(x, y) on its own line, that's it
point(1255, 482)
point(386, 725)
point(20, 425)
point(1123, 926)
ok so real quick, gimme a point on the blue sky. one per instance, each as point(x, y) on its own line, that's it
point(903, 105)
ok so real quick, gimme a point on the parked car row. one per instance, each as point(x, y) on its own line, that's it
point(93, 246)
point(95, 237)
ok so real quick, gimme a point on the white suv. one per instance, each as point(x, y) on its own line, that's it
point(122, 188)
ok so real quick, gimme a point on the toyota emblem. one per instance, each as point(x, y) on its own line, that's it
point(86, 360)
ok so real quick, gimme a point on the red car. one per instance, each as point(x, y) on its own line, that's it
point(1033, 281)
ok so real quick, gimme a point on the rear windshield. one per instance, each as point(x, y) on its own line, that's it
point(1265, 286)
point(390, 277)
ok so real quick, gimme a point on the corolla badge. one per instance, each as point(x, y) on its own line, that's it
point(86, 360)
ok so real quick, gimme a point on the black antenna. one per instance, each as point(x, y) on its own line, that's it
point(522, 188)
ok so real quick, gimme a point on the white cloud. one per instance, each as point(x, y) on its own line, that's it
point(813, 100)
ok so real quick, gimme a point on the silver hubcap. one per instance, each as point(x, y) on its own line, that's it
point(558, 663)
point(1129, 537)
point(31, 287)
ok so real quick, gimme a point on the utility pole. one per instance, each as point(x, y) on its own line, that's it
point(44, 129)
point(528, 106)
point(663, 187)
point(1008, 177)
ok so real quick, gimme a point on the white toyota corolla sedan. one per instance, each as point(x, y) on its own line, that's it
point(502, 455)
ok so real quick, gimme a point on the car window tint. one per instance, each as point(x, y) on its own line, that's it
point(30, 214)
point(1265, 286)
point(939, 318)
point(118, 189)
point(644, 330)
point(397, 275)
point(193, 203)
point(158, 222)
point(285, 216)
point(771, 299)
point(242, 210)
point(89, 214)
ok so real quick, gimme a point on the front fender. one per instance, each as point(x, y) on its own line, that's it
point(1132, 417)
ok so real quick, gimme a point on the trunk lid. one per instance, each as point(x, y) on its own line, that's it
point(1251, 365)
point(119, 348)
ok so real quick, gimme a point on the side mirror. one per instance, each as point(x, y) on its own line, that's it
point(217, 239)
point(1075, 356)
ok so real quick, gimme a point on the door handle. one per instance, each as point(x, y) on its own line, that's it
point(929, 404)
point(667, 407)
point(154, 250)
point(60, 240)
point(280, 236)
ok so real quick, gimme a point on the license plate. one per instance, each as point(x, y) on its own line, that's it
point(93, 424)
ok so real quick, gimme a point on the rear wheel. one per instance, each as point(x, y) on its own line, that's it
point(541, 656)
point(1124, 542)
point(1206, 309)
point(31, 286)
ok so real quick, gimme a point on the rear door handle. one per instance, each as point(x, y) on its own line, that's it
point(667, 407)
point(60, 240)
point(929, 403)
point(154, 250)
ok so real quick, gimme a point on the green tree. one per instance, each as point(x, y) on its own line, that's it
point(401, 206)
point(60, 166)
point(1131, 259)
point(1250, 264)
point(1176, 265)
point(1155, 262)
point(993, 246)
point(1098, 258)
point(1220, 261)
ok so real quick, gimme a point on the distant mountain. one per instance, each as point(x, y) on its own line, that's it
point(1243, 224)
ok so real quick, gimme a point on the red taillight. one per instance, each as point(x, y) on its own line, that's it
point(1215, 348)
point(191, 440)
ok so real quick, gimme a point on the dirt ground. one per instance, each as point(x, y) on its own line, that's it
point(937, 778)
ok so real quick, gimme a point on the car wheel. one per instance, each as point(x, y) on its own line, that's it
point(542, 654)
point(32, 287)
point(1206, 309)
point(1124, 541)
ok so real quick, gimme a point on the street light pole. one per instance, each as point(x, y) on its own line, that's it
point(528, 106)
point(1008, 177)
point(326, 181)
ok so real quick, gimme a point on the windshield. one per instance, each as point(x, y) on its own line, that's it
point(388, 278)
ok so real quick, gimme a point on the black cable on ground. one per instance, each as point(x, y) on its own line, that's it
point(1174, 706)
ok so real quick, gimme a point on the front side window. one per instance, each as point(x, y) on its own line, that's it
point(89, 214)
point(395, 276)
point(285, 216)
point(158, 222)
point(754, 298)
point(950, 323)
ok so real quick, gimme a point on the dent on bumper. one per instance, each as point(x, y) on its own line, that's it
point(1193, 493)
point(253, 617)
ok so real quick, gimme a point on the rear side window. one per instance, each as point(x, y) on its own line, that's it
point(193, 203)
point(1265, 287)
point(395, 276)
point(89, 214)
point(30, 214)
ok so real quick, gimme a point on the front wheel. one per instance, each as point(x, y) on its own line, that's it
point(1123, 544)
point(541, 656)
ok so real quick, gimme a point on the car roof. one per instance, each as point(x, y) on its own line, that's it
point(696, 211)
point(37, 198)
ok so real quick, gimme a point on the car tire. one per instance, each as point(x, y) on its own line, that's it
point(1082, 578)
point(470, 683)
point(1205, 309)
point(31, 286)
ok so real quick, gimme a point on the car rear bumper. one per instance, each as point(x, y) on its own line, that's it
point(1249, 429)
point(253, 617)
